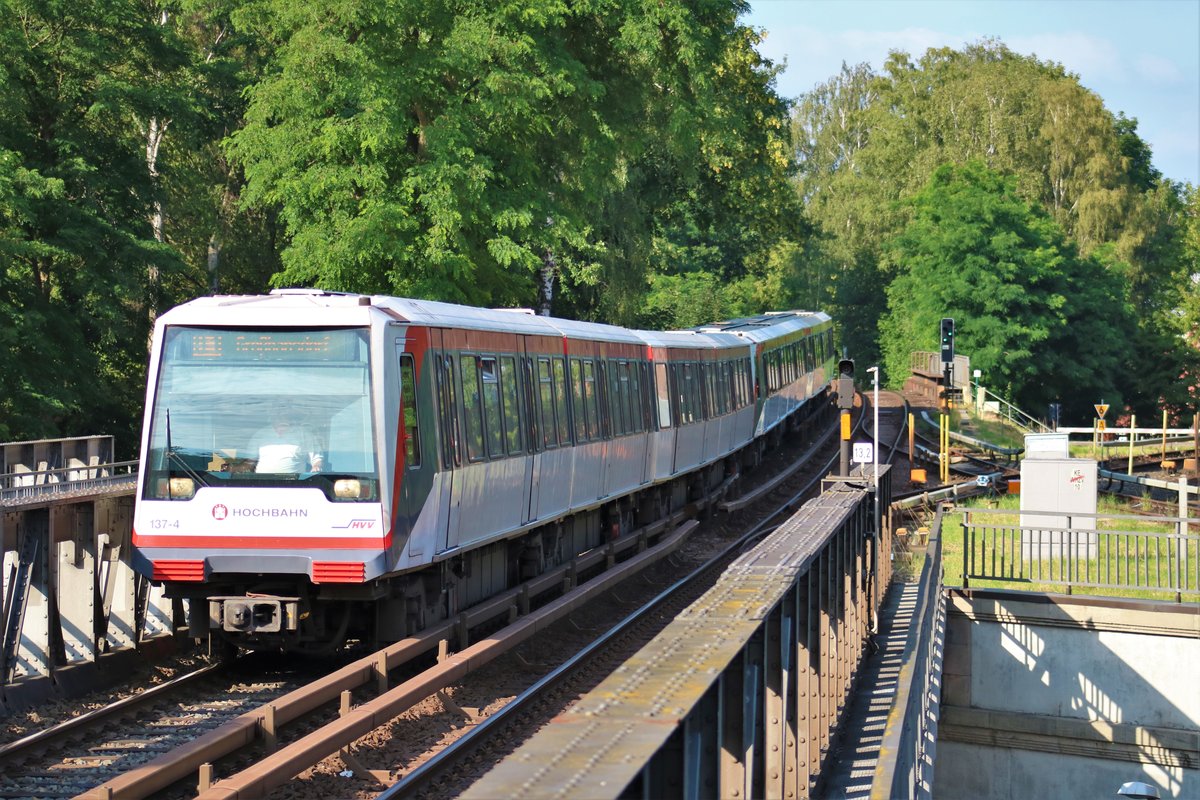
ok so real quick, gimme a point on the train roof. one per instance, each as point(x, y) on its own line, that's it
point(769, 325)
point(689, 339)
point(301, 306)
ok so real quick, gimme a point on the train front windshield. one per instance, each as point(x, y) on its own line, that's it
point(262, 407)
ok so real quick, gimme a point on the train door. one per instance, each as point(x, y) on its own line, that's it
point(409, 451)
point(447, 424)
point(513, 372)
point(531, 429)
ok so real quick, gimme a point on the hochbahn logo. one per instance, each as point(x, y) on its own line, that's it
point(220, 512)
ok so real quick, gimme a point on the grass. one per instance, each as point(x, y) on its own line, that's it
point(992, 431)
point(1120, 453)
point(1147, 554)
point(989, 429)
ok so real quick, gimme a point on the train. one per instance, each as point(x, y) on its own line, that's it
point(317, 466)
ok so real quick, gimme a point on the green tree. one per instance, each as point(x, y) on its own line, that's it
point(498, 153)
point(1039, 320)
point(867, 143)
point(78, 203)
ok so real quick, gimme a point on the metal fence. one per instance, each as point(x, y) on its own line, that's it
point(741, 696)
point(1103, 551)
point(17, 488)
point(905, 766)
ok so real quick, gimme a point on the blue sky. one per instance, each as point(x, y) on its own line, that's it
point(1142, 58)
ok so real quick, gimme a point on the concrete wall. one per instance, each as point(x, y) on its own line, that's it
point(1058, 696)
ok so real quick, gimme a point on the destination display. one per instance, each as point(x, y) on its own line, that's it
point(208, 345)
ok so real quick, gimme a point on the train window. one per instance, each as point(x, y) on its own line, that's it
point(532, 406)
point(447, 413)
point(713, 401)
point(591, 398)
point(727, 402)
point(662, 393)
point(578, 405)
point(546, 402)
point(511, 403)
point(728, 395)
point(604, 425)
point(614, 398)
point(620, 384)
point(687, 412)
point(560, 401)
point(647, 396)
point(408, 402)
point(468, 367)
point(713, 384)
point(629, 386)
point(735, 380)
point(493, 423)
point(636, 421)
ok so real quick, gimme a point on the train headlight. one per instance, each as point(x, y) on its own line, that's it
point(353, 489)
point(182, 489)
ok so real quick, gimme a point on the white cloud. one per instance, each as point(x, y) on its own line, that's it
point(1157, 69)
point(1092, 58)
point(814, 56)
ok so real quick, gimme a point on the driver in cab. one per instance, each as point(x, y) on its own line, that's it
point(287, 445)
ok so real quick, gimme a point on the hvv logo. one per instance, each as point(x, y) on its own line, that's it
point(356, 524)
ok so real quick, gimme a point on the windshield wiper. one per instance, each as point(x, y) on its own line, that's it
point(179, 461)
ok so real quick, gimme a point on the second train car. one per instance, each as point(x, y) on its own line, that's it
point(316, 465)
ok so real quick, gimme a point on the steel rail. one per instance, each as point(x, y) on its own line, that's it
point(281, 766)
point(246, 728)
point(13, 751)
point(423, 776)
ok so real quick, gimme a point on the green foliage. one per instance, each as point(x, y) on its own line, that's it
point(868, 144)
point(1039, 320)
point(78, 79)
point(457, 151)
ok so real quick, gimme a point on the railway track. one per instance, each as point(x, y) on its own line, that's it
point(168, 740)
point(67, 759)
point(453, 769)
point(221, 734)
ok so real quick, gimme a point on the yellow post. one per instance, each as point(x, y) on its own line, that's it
point(912, 451)
point(944, 448)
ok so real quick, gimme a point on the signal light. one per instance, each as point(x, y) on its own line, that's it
point(947, 339)
point(845, 383)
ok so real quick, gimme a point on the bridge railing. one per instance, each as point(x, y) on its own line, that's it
point(930, 365)
point(743, 693)
point(1082, 550)
point(1002, 408)
point(30, 485)
point(905, 766)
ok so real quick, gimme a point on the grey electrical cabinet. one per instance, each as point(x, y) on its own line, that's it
point(1058, 508)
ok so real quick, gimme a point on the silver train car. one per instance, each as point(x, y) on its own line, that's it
point(317, 465)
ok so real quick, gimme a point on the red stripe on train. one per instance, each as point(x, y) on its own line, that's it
point(271, 542)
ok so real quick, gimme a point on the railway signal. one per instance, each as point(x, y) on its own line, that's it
point(845, 393)
point(845, 384)
point(947, 339)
